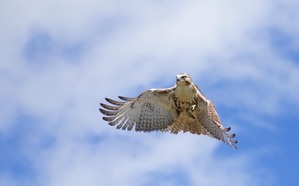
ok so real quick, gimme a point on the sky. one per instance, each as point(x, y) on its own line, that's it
point(60, 59)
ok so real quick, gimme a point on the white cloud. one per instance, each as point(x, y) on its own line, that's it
point(136, 160)
point(138, 45)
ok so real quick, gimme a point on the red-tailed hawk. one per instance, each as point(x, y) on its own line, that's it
point(180, 108)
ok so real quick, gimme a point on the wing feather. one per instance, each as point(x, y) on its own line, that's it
point(107, 118)
point(152, 110)
point(115, 102)
point(125, 98)
point(211, 122)
point(109, 107)
point(107, 112)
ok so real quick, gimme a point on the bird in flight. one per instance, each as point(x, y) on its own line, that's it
point(182, 107)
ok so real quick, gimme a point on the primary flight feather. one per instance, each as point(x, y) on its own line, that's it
point(180, 108)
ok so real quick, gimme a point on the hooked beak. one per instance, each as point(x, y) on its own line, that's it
point(180, 78)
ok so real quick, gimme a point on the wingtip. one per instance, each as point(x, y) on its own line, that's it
point(234, 141)
point(107, 99)
point(232, 144)
point(125, 98)
point(119, 103)
point(109, 119)
point(100, 109)
point(227, 129)
point(232, 135)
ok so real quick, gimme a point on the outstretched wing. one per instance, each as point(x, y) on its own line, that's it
point(150, 111)
point(210, 120)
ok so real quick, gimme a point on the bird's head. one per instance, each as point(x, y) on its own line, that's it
point(183, 79)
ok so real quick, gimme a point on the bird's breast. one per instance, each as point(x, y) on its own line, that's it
point(184, 98)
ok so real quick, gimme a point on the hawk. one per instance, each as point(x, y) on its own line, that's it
point(182, 107)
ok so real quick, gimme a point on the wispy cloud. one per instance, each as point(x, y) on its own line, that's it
point(60, 59)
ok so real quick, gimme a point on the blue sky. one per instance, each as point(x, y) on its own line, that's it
point(60, 59)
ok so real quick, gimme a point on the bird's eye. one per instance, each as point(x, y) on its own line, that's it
point(184, 77)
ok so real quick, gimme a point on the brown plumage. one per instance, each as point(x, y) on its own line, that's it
point(180, 108)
